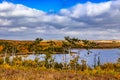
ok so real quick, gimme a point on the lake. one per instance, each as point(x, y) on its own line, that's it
point(105, 55)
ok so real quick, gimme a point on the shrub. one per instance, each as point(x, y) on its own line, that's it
point(29, 63)
point(7, 60)
point(1, 60)
point(117, 67)
point(58, 65)
point(17, 61)
point(107, 66)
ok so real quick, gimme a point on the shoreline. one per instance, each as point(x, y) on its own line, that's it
point(25, 54)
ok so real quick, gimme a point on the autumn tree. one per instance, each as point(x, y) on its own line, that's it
point(51, 52)
point(71, 43)
point(88, 45)
point(7, 48)
point(36, 45)
point(1, 48)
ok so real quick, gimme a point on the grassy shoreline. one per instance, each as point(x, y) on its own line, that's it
point(8, 72)
point(20, 69)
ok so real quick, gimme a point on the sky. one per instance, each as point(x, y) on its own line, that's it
point(54, 19)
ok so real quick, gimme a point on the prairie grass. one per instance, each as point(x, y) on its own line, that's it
point(8, 72)
point(37, 70)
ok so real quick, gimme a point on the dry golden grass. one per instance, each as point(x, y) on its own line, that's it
point(58, 43)
point(22, 73)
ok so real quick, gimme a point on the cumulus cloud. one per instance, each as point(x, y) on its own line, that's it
point(88, 9)
point(17, 29)
point(86, 21)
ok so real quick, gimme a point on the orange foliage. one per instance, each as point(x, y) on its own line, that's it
point(24, 50)
point(1, 48)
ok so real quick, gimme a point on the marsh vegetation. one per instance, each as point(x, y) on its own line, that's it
point(71, 68)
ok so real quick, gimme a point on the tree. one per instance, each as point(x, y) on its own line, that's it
point(51, 46)
point(98, 62)
point(49, 61)
point(51, 51)
point(1, 48)
point(7, 47)
point(72, 43)
point(65, 46)
point(36, 45)
point(88, 45)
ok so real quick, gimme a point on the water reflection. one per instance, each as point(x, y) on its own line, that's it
point(105, 55)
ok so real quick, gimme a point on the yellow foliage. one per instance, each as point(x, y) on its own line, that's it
point(18, 62)
point(7, 66)
point(117, 76)
point(86, 71)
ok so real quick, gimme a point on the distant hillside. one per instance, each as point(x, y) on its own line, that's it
point(106, 41)
point(26, 45)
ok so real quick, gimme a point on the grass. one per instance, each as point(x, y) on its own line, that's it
point(20, 69)
point(8, 72)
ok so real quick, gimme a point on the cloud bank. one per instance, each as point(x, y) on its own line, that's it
point(85, 21)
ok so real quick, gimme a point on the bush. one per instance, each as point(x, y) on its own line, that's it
point(58, 65)
point(117, 67)
point(17, 61)
point(1, 60)
point(107, 66)
point(7, 60)
point(29, 63)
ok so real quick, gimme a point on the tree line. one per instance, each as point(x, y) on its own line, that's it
point(39, 46)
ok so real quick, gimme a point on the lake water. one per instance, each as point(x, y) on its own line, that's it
point(106, 55)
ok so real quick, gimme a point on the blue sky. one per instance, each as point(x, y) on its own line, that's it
point(54, 19)
point(54, 5)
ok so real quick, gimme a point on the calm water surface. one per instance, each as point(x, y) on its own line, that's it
point(106, 55)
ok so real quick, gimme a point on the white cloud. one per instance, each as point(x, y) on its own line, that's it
point(4, 22)
point(87, 9)
point(86, 21)
point(15, 10)
point(17, 29)
point(97, 9)
point(5, 6)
